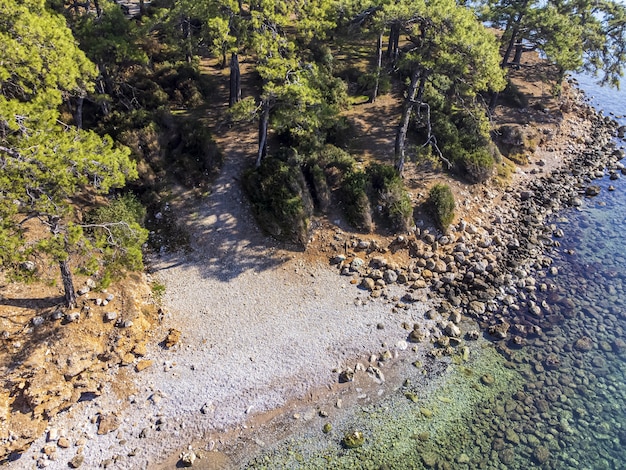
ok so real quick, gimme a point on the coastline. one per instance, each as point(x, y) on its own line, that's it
point(511, 207)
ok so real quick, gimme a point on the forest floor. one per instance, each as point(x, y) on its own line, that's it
point(258, 328)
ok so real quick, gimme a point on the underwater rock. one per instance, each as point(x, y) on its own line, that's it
point(584, 344)
point(353, 439)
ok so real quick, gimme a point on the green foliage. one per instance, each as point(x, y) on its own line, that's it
point(356, 204)
point(387, 192)
point(442, 205)
point(118, 233)
point(47, 166)
point(193, 156)
point(280, 199)
point(478, 166)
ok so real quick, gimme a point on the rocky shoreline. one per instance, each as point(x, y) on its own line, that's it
point(500, 276)
point(494, 274)
point(491, 272)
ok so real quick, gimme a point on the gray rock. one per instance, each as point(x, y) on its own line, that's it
point(187, 458)
point(390, 276)
point(452, 330)
point(28, 266)
point(110, 316)
point(72, 316)
point(346, 376)
point(368, 283)
point(83, 290)
point(37, 321)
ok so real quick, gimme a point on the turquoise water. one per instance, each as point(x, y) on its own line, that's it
point(557, 403)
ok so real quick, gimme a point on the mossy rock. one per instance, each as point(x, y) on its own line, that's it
point(353, 439)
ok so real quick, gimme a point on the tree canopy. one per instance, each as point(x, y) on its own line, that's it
point(47, 164)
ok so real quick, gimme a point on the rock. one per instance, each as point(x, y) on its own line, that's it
point(368, 283)
point(72, 317)
point(143, 365)
point(584, 344)
point(418, 335)
point(109, 297)
point(429, 460)
point(356, 264)
point(77, 461)
point(327, 428)
point(110, 316)
point(57, 314)
point(208, 408)
point(53, 435)
point(477, 308)
point(390, 276)
point(187, 458)
point(488, 379)
point(90, 283)
point(499, 331)
point(63, 442)
point(337, 259)
point(541, 454)
point(472, 335)
point(28, 266)
point(108, 423)
point(526, 195)
point(353, 439)
point(346, 376)
point(83, 290)
point(592, 190)
point(452, 330)
point(173, 337)
point(376, 374)
point(378, 262)
point(37, 321)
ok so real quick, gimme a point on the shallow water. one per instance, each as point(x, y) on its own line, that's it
point(557, 403)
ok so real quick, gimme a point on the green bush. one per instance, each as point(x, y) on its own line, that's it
point(321, 192)
point(442, 205)
point(117, 232)
point(280, 199)
point(387, 190)
point(478, 165)
point(356, 204)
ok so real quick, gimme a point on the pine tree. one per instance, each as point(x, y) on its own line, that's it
point(47, 166)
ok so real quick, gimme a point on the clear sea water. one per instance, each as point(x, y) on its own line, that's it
point(558, 403)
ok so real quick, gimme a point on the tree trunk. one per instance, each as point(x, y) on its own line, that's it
point(78, 115)
point(98, 8)
point(493, 101)
point(509, 48)
point(393, 42)
point(186, 28)
point(68, 284)
point(399, 151)
point(235, 80)
point(519, 50)
point(263, 126)
point(142, 7)
point(379, 62)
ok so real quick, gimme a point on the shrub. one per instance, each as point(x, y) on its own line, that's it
point(321, 192)
point(280, 199)
point(442, 205)
point(478, 166)
point(356, 204)
point(117, 231)
point(387, 190)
